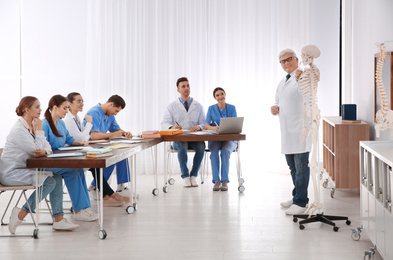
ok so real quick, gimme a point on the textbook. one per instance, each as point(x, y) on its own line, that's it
point(170, 132)
point(98, 151)
point(150, 132)
point(98, 155)
point(151, 136)
point(56, 155)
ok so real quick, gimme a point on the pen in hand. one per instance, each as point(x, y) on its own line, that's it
point(176, 122)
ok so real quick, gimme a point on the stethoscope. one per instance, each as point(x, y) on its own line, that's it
point(78, 125)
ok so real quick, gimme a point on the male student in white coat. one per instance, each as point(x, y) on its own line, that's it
point(186, 113)
point(289, 108)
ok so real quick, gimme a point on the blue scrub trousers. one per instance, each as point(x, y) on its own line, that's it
point(300, 172)
point(122, 172)
point(226, 148)
point(182, 147)
point(76, 185)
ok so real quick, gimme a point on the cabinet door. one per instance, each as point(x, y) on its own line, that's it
point(389, 235)
point(380, 227)
point(371, 217)
point(364, 207)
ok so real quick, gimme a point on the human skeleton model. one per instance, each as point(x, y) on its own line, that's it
point(309, 85)
point(384, 116)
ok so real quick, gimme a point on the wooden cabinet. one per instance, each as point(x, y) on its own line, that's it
point(376, 182)
point(341, 150)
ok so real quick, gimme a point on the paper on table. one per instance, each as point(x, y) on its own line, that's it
point(97, 141)
point(71, 148)
point(54, 155)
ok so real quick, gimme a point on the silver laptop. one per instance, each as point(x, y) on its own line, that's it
point(231, 125)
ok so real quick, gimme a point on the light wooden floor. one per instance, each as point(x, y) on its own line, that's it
point(197, 223)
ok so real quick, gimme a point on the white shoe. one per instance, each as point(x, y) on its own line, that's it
point(295, 209)
point(86, 215)
point(187, 182)
point(194, 182)
point(124, 191)
point(286, 204)
point(93, 195)
point(14, 220)
point(64, 225)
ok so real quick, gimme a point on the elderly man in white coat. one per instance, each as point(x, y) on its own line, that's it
point(289, 108)
point(186, 113)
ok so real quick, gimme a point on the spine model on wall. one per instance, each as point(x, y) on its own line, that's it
point(384, 116)
point(308, 82)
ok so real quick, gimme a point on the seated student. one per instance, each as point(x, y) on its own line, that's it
point(74, 178)
point(186, 113)
point(81, 133)
point(214, 114)
point(27, 140)
point(104, 121)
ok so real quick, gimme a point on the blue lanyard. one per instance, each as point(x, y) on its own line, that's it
point(226, 111)
point(31, 133)
point(77, 124)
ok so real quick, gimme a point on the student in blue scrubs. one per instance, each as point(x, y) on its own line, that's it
point(57, 135)
point(214, 114)
point(104, 127)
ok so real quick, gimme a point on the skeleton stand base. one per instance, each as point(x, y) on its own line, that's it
point(319, 218)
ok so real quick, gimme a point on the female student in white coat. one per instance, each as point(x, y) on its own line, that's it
point(82, 133)
point(58, 136)
point(27, 140)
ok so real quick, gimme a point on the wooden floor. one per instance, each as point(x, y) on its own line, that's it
point(197, 223)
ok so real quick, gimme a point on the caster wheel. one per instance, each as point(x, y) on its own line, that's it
point(135, 205)
point(294, 219)
point(301, 227)
point(35, 233)
point(325, 183)
point(355, 236)
point(336, 229)
point(241, 181)
point(241, 189)
point(165, 189)
point(102, 234)
point(348, 222)
point(155, 191)
point(130, 209)
point(332, 192)
point(171, 181)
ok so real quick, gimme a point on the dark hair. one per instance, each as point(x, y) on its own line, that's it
point(180, 80)
point(56, 100)
point(25, 102)
point(71, 96)
point(217, 89)
point(118, 101)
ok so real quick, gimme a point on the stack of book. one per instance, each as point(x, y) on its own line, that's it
point(102, 152)
point(150, 134)
point(171, 132)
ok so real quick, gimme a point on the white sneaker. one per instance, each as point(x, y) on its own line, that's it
point(194, 182)
point(64, 225)
point(295, 209)
point(92, 194)
point(286, 204)
point(124, 191)
point(86, 215)
point(187, 182)
point(14, 220)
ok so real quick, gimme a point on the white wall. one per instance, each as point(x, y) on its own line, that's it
point(372, 22)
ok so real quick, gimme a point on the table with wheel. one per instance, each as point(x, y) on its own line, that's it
point(101, 163)
point(203, 137)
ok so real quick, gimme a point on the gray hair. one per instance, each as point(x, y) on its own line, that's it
point(283, 52)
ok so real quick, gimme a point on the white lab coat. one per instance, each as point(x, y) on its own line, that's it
point(289, 99)
point(19, 147)
point(176, 112)
point(81, 133)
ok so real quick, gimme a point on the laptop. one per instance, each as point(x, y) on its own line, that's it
point(231, 125)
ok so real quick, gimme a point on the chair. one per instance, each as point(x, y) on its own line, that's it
point(22, 190)
point(205, 164)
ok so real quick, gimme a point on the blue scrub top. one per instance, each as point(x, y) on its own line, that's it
point(55, 141)
point(214, 114)
point(101, 122)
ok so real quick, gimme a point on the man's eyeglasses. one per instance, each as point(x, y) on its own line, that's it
point(80, 101)
point(282, 62)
